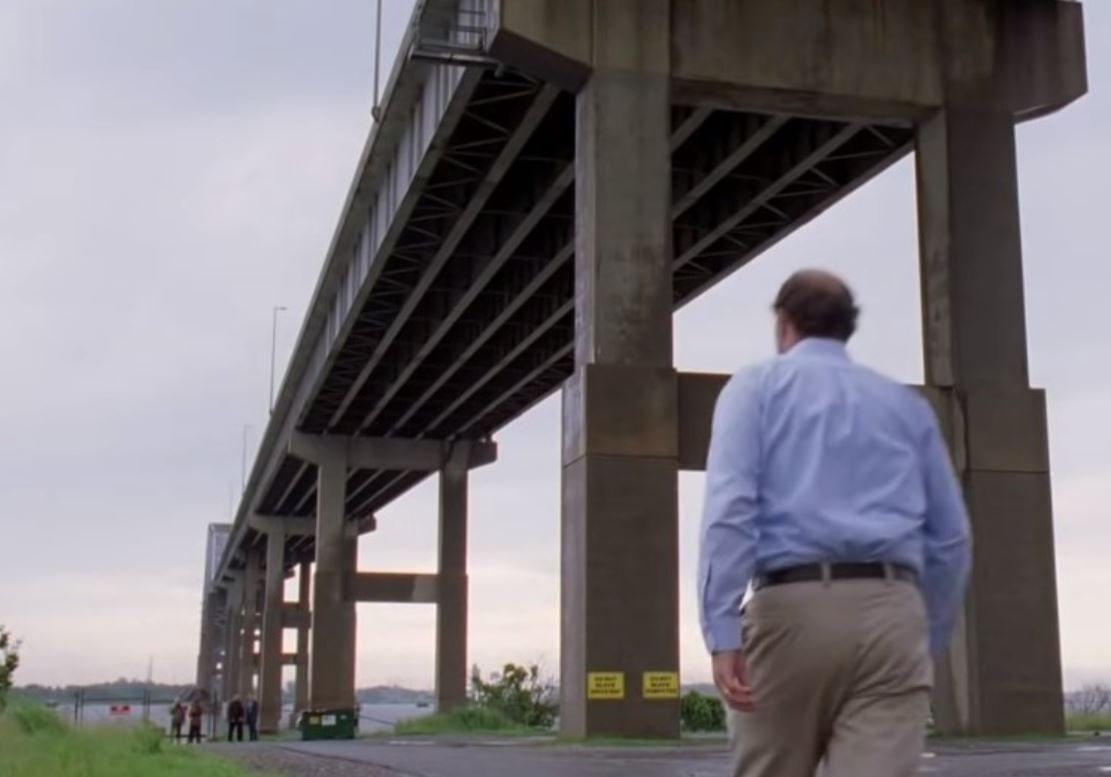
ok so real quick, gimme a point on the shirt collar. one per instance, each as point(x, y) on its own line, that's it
point(820, 347)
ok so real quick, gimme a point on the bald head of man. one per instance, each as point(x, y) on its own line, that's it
point(813, 303)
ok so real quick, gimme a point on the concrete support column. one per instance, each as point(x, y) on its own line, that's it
point(270, 649)
point(332, 658)
point(232, 638)
point(206, 654)
point(251, 576)
point(301, 678)
point(620, 608)
point(451, 607)
point(1003, 672)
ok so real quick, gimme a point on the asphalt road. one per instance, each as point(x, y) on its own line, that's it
point(513, 758)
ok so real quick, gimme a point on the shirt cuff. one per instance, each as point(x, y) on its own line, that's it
point(723, 634)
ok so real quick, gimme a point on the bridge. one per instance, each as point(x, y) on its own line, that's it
point(547, 181)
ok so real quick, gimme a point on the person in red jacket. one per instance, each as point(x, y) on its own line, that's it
point(196, 713)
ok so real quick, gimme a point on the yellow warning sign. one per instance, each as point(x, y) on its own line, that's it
point(605, 685)
point(661, 685)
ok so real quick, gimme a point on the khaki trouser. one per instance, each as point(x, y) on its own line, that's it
point(841, 675)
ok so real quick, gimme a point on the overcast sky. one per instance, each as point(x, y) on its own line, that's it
point(171, 171)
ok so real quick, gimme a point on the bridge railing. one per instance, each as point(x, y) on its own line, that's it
point(416, 102)
point(452, 31)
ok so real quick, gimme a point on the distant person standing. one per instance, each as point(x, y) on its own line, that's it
point(196, 714)
point(252, 718)
point(830, 489)
point(177, 720)
point(235, 719)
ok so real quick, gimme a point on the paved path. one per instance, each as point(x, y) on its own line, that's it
point(512, 758)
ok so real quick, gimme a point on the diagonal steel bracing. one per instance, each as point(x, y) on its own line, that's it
point(492, 332)
point(730, 143)
point(479, 186)
point(455, 302)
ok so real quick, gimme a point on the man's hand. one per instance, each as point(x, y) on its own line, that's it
point(731, 679)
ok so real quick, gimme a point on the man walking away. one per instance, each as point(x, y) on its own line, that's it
point(252, 718)
point(829, 488)
point(235, 719)
point(196, 713)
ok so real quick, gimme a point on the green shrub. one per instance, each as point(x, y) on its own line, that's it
point(9, 660)
point(518, 693)
point(33, 719)
point(701, 713)
point(147, 739)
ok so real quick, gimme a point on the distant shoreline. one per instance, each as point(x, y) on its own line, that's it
point(123, 690)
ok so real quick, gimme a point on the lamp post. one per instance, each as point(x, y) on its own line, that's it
point(273, 348)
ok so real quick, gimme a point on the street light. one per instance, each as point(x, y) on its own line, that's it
point(273, 348)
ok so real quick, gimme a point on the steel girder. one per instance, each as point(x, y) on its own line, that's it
point(474, 321)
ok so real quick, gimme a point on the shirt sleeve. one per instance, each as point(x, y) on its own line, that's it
point(727, 547)
point(948, 541)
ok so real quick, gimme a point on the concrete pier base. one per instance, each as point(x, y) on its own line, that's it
point(249, 620)
point(451, 585)
point(332, 655)
point(1002, 675)
point(233, 624)
point(270, 647)
point(301, 672)
point(620, 476)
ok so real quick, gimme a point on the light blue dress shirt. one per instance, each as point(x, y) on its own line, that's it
point(814, 459)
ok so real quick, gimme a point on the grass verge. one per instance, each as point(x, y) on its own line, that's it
point(1088, 723)
point(34, 742)
point(466, 720)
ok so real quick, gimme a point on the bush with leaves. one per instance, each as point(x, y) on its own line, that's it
point(9, 660)
point(701, 713)
point(518, 693)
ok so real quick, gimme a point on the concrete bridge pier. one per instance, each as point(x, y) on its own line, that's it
point(301, 676)
point(332, 639)
point(1003, 672)
point(229, 685)
point(270, 647)
point(248, 665)
point(620, 572)
point(278, 615)
point(206, 655)
point(451, 589)
point(338, 585)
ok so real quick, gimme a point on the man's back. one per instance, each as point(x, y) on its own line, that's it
point(829, 488)
point(842, 476)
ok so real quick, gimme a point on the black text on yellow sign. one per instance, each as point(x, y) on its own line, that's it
point(605, 685)
point(661, 685)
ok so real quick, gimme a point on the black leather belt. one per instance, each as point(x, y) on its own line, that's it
point(812, 572)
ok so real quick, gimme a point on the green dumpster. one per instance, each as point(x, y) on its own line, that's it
point(329, 724)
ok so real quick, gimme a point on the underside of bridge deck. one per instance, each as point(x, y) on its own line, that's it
point(470, 322)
